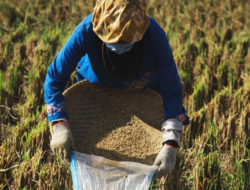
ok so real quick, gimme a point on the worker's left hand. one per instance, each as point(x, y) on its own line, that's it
point(171, 129)
point(165, 160)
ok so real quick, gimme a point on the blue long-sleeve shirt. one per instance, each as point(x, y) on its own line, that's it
point(157, 69)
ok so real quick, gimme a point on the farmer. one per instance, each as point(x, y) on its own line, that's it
point(120, 47)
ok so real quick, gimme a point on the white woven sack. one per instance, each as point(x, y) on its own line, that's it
point(97, 173)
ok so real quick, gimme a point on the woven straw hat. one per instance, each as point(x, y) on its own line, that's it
point(118, 125)
point(125, 20)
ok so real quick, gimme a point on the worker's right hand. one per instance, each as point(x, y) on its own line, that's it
point(62, 140)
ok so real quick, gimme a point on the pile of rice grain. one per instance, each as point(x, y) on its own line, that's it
point(116, 125)
point(132, 142)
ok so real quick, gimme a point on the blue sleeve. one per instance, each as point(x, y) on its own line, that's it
point(169, 83)
point(59, 73)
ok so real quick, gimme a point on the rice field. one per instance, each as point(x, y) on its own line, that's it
point(210, 40)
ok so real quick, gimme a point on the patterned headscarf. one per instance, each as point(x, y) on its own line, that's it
point(124, 20)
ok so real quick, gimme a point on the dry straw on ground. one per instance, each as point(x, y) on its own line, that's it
point(210, 40)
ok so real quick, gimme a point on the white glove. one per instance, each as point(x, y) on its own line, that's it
point(165, 160)
point(171, 130)
point(62, 140)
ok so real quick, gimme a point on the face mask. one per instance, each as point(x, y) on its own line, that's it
point(120, 48)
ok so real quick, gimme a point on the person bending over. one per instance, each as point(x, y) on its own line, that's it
point(118, 46)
